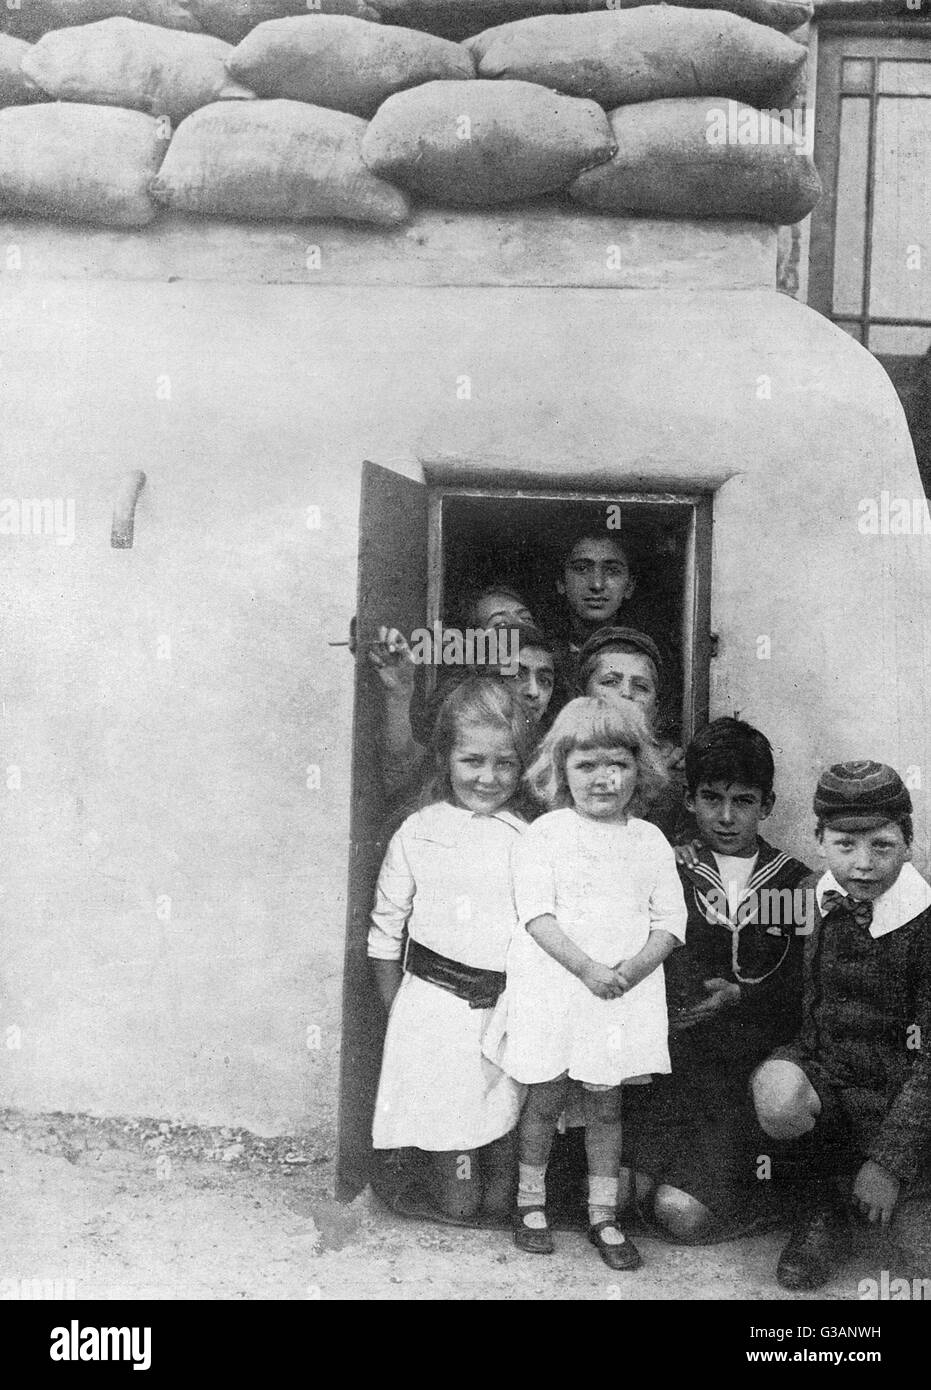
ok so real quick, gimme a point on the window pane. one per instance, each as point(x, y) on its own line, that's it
point(857, 75)
point(901, 340)
point(901, 253)
point(850, 222)
point(911, 78)
point(852, 328)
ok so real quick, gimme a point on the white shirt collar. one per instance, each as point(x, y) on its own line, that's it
point(444, 818)
point(908, 896)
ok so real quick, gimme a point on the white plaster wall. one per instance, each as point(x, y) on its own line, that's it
point(186, 777)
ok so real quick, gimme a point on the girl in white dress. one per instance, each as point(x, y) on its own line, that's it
point(446, 880)
point(599, 907)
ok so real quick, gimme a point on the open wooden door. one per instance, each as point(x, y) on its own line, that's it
point(392, 588)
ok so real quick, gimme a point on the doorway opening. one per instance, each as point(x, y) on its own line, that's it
point(423, 552)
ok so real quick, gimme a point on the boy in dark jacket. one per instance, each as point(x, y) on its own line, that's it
point(852, 1092)
point(734, 993)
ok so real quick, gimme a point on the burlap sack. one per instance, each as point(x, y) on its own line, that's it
point(480, 143)
point(643, 55)
point(14, 86)
point(344, 63)
point(37, 17)
point(274, 159)
point(86, 163)
point(777, 14)
point(119, 62)
point(232, 20)
point(457, 19)
point(703, 157)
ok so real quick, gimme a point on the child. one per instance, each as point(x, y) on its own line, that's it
point(733, 994)
point(599, 907)
point(446, 880)
point(853, 1091)
point(622, 662)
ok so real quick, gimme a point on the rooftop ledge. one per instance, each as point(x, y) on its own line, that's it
point(531, 245)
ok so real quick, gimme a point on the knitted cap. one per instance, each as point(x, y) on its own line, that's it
point(860, 796)
point(611, 636)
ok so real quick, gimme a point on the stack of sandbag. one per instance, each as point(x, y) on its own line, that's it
point(482, 143)
point(644, 54)
point(285, 160)
point(15, 88)
point(323, 115)
point(343, 63)
point(702, 157)
point(119, 62)
point(87, 163)
point(458, 19)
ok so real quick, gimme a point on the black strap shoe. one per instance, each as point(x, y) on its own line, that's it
point(622, 1255)
point(533, 1240)
point(814, 1248)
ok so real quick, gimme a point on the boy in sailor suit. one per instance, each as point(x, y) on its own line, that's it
point(734, 993)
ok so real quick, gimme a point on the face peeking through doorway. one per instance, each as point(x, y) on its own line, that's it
point(596, 580)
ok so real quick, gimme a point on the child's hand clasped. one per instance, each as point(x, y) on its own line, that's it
point(603, 982)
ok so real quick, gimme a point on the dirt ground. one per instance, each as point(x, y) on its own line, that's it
point(149, 1210)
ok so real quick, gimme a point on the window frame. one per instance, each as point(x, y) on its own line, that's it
point(887, 40)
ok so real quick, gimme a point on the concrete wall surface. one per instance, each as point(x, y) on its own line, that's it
point(161, 705)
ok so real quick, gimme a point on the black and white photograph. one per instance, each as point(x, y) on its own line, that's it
point(466, 663)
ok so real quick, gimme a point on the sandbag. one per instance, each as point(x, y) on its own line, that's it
point(14, 87)
point(119, 62)
point(86, 163)
point(703, 157)
point(777, 14)
point(37, 17)
point(232, 20)
point(347, 64)
point(645, 54)
point(481, 143)
point(457, 19)
point(274, 159)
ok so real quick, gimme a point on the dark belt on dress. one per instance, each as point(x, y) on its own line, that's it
point(479, 988)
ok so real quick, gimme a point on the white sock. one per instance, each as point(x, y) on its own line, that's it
point(531, 1192)
point(602, 1206)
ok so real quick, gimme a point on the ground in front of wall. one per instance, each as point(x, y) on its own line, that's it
point(146, 1210)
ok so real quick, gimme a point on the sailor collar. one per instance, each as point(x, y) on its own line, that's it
point(704, 875)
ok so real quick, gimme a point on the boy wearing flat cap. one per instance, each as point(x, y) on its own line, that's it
point(852, 1092)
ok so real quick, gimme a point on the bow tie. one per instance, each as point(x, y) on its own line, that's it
point(860, 910)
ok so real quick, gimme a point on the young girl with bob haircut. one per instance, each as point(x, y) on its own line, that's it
point(599, 907)
point(446, 881)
